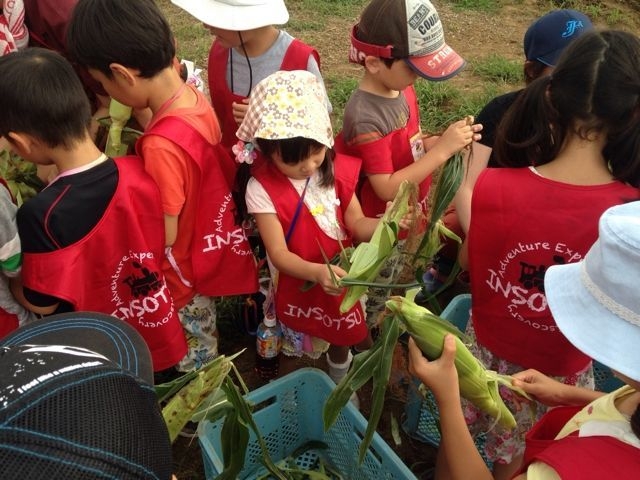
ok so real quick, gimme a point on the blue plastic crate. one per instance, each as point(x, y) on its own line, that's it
point(289, 414)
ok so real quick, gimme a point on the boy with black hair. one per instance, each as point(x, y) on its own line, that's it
point(92, 240)
point(129, 48)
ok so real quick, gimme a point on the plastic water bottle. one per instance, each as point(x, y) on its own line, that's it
point(268, 345)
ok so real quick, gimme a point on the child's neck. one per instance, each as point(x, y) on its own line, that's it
point(167, 91)
point(80, 154)
point(580, 162)
point(372, 84)
point(258, 41)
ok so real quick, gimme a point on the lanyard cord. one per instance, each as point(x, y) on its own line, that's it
point(244, 50)
point(297, 212)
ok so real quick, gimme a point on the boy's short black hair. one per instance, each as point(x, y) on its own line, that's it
point(133, 33)
point(41, 95)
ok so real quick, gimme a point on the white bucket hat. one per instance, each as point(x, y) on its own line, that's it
point(236, 15)
point(287, 104)
point(596, 302)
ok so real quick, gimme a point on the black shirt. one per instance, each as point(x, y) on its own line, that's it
point(490, 117)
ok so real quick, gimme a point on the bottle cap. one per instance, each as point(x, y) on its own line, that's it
point(269, 320)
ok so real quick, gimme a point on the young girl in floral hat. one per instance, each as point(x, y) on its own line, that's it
point(302, 197)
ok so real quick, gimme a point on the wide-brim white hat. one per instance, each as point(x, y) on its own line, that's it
point(236, 15)
point(596, 302)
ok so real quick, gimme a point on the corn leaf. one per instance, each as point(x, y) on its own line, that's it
point(390, 333)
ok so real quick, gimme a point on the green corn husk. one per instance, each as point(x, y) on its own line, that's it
point(478, 385)
point(21, 177)
point(448, 183)
point(187, 393)
point(120, 115)
point(368, 258)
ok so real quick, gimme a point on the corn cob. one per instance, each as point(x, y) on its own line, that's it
point(120, 115)
point(368, 258)
point(477, 384)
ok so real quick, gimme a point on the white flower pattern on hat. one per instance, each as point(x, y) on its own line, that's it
point(288, 104)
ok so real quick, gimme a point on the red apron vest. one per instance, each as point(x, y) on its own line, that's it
point(296, 58)
point(222, 259)
point(399, 143)
point(521, 224)
point(8, 321)
point(116, 268)
point(313, 312)
point(578, 458)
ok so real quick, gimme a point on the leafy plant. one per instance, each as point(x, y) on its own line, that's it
point(21, 176)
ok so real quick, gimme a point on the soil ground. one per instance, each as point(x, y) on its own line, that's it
point(473, 34)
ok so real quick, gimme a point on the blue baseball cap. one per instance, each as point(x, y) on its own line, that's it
point(548, 36)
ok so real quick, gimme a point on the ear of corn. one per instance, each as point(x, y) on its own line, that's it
point(368, 258)
point(120, 115)
point(477, 384)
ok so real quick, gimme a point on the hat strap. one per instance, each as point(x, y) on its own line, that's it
point(605, 300)
point(359, 50)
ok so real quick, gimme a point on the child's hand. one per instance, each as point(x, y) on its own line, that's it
point(407, 218)
point(458, 135)
point(439, 375)
point(544, 389)
point(326, 280)
point(240, 110)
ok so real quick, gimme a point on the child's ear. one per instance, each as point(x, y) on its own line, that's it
point(373, 64)
point(21, 143)
point(122, 73)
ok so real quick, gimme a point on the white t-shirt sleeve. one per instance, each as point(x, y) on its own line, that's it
point(257, 198)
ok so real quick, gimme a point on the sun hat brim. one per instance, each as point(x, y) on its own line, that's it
point(592, 301)
point(236, 15)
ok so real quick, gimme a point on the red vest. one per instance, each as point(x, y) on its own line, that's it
point(222, 259)
point(578, 458)
point(8, 321)
point(313, 311)
point(521, 224)
point(295, 58)
point(399, 143)
point(116, 268)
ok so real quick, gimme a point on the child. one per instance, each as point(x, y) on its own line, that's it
point(579, 128)
point(13, 32)
point(303, 200)
point(92, 240)
point(78, 402)
point(129, 48)
point(544, 41)
point(595, 304)
point(396, 41)
point(247, 48)
point(12, 314)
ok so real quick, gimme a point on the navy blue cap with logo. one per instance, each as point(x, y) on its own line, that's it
point(77, 402)
point(547, 37)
